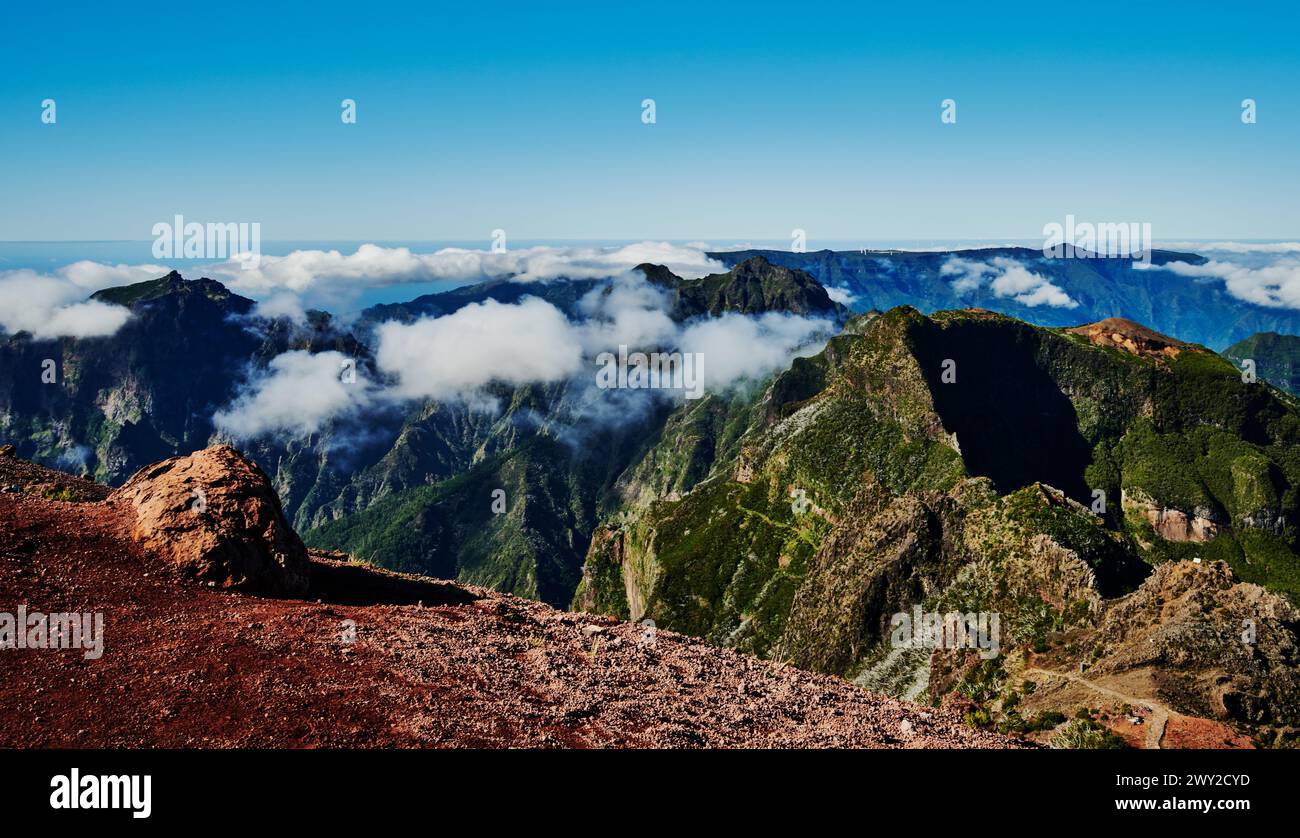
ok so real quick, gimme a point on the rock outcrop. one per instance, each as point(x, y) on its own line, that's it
point(1223, 648)
point(1171, 524)
point(215, 516)
point(1133, 338)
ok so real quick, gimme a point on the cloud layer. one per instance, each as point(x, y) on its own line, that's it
point(451, 358)
point(1006, 278)
point(455, 358)
point(55, 305)
point(297, 393)
point(333, 280)
point(1275, 285)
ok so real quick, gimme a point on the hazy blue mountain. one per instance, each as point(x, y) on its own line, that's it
point(1191, 309)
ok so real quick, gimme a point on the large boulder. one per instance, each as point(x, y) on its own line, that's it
point(215, 516)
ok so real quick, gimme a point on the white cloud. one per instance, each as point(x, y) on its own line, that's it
point(843, 296)
point(736, 347)
point(334, 280)
point(55, 305)
point(632, 312)
point(628, 311)
point(328, 279)
point(725, 248)
point(969, 275)
point(455, 356)
point(297, 393)
point(282, 304)
point(84, 320)
point(94, 276)
point(1006, 278)
point(1276, 285)
point(1233, 247)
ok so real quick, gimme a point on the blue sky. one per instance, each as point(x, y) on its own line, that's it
point(526, 117)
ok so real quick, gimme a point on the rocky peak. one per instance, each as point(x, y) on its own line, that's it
point(659, 275)
point(1133, 338)
point(173, 286)
point(755, 286)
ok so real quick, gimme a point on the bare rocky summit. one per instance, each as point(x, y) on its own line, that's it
point(1228, 649)
point(1133, 338)
point(365, 657)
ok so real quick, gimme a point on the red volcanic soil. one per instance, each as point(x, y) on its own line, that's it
point(433, 664)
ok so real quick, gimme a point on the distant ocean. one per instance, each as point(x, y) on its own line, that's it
point(52, 255)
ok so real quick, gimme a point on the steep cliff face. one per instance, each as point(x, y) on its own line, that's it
point(965, 462)
point(109, 406)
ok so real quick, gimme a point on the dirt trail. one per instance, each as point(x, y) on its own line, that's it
point(1159, 713)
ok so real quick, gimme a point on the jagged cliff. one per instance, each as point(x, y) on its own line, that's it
point(970, 462)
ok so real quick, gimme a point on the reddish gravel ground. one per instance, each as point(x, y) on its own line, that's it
point(190, 666)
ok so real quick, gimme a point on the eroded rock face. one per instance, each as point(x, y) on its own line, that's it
point(1133, 338)
point(1171, 524)
point(887, 555)
point(1223, 648)
point(215, 516)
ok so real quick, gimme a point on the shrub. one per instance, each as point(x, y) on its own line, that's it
point(1082, 735)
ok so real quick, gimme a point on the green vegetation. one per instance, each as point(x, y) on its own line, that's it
point(1085, 734)
point(898, 516)
point(63, 493)
point(1045, 720)
point(1276, 357)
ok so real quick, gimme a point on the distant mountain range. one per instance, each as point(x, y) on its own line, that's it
point(1197, 310)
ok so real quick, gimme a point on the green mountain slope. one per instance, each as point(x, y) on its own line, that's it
point(871, 482)
point(1276, 357)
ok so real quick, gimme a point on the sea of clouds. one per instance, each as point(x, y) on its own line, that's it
point(454, 358)
point(457, 357)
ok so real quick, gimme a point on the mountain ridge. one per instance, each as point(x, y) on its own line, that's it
point(873, 484)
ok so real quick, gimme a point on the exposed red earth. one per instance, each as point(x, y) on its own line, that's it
point(189, 663)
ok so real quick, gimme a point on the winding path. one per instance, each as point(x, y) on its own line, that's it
point(1159, 713)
